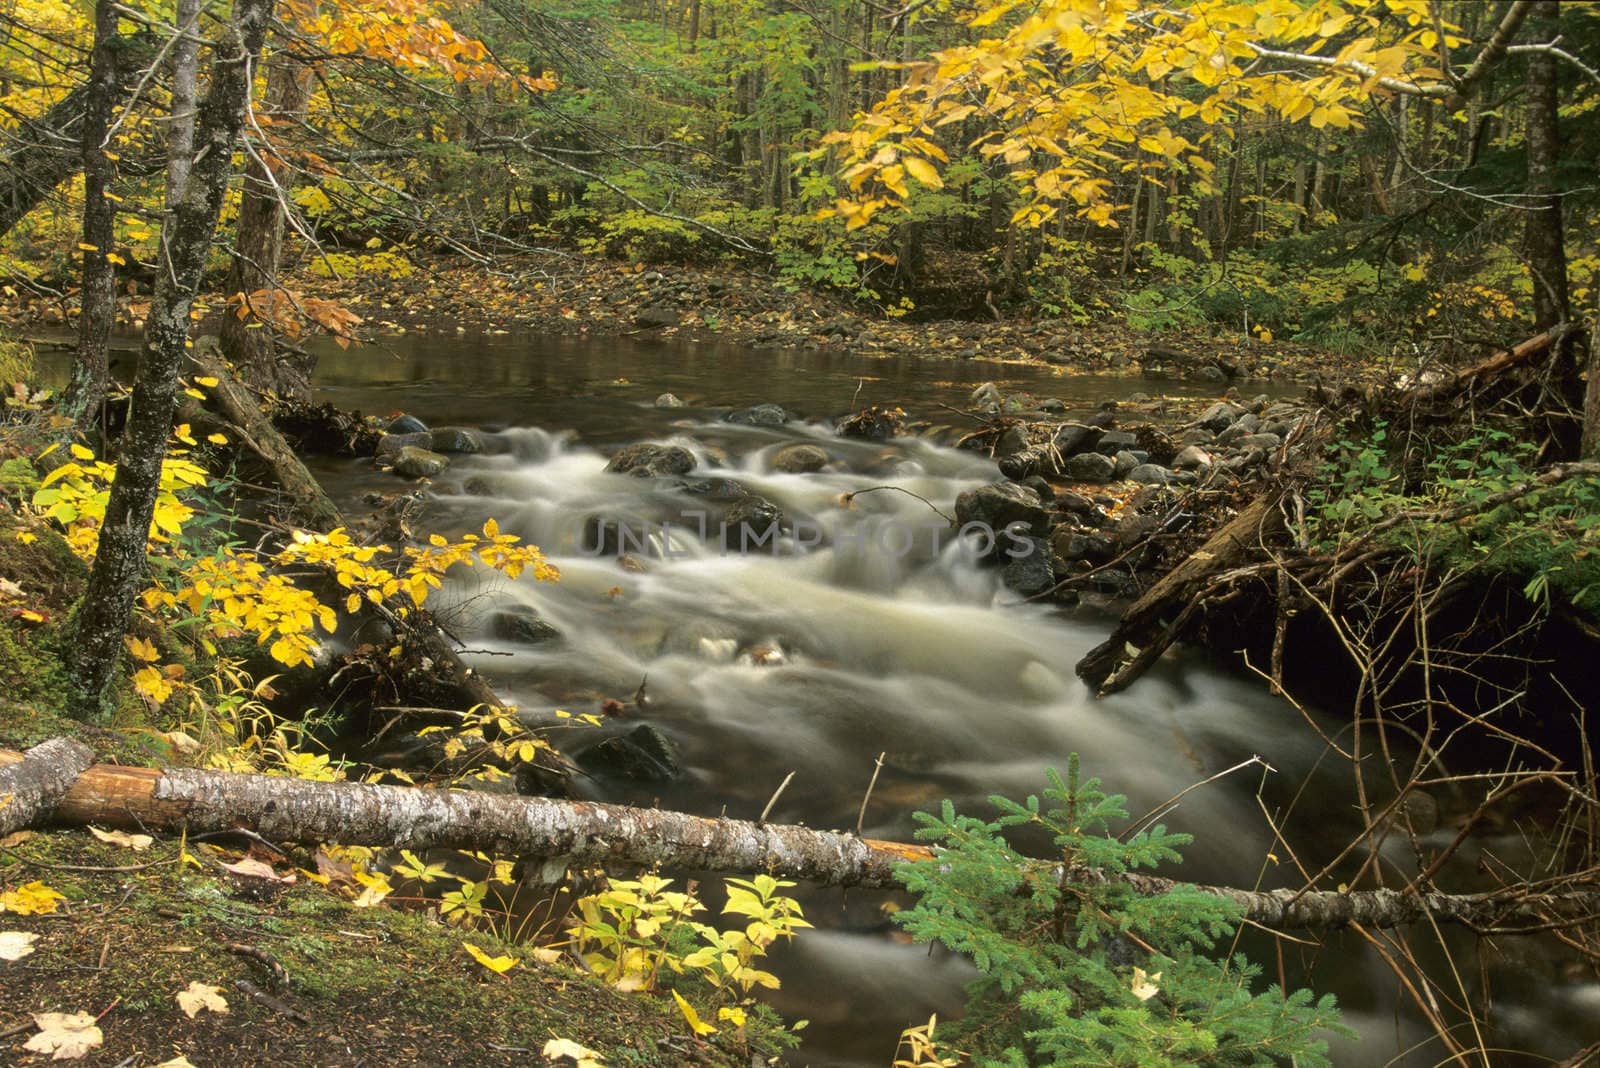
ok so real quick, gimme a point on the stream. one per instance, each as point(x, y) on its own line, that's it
point(813, 659)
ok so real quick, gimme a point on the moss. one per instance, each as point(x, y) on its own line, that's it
point(373, 985)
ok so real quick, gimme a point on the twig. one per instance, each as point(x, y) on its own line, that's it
point(260, 996)
point(773, 800)
point(848, 497)
point(861, 817)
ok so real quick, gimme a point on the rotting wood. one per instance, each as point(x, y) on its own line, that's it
point(580, 832)
point(1153, 622)
point(31, 787)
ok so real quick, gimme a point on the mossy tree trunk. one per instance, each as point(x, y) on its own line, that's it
point(186, 237)
point(97, 302)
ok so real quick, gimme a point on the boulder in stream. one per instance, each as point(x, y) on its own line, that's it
point(799, 459)
point(648, 460)
point(519, 623)
point(758, 415)
point(414, 462)
point(644, 754)
point(999, 504)
point(456, 439)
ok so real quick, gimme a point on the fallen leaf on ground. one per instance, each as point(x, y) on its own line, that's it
point(29, 899)
point(66, 1036)
point(15, 838)
point(251, 868)
point(200, 997)
point(136, 842)
point(565, 1047)
point(499, 965)
point(14, 945)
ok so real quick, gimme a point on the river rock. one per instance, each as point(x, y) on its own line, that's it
point(1115, 441)
point(758, 415)
point(1248, 423)
point(1090, 467)
point(999, 504)
point(752, 523)
point(1076, 504)
point(799, 459)
point(520, 623)
point(644, 754)
point(1192, 458)
point(1045, 491)
point(1196, 435)
point(670, 400)
point(1126, 461)
point(1220, 416)
point(389, 445)
point(406, 424)
point(1150, 474)
point(456, 439)
point(648, 460)
point(1030, 573)
point(1078, 437)
point(1012, 441)
point(1260, 441)
point(1209, 373)
point(987, 398)
point(414, 462)
point(657, 318)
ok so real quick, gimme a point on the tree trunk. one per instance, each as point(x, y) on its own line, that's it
point(185, 73)
point(186, 237)
point(582, 832)
point(248, 342)
point(1545, 246)
point(31, 787)
point(97, 303)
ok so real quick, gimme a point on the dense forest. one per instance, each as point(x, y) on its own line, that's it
point(813, 453)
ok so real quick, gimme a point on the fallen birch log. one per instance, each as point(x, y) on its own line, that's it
point(30, 787)
point(585, 833)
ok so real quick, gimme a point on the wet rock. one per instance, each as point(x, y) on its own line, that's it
point(1260, 441)
point(1078, 437)
point(1196, 436)
point(999, 504)
point(456, 439)
point(1090, 467)
point(1248, 423)
point(413, 462)
point(1192, 458)
point(669, 400)
point(987, 398)
point(1076, 504)
point(1011, 442)
point(521, 624)
point(644, 754)
point(725, 490)
point(799, 459)
point(647, 460)
point(406, 424)
point(389, 445)
point(1045, 491)
point(1208, 373)
point(657, 318)
point(872, 424)
point(1220, 416)
point(1053, 405)
point(1032, 572)
point(758, 415)
point(1126, 461)
point(752, 523)
point(1150, 474)
point(1115, 441)
point(1090, 545)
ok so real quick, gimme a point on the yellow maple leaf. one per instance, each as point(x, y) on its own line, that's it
point(30, 899)
point(499, 965)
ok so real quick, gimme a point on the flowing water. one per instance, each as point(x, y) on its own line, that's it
point(815, 659)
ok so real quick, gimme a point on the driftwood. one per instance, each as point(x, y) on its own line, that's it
point(309, 505)
point(1480, 372)
point(583, 832)
point(31, 787)
point(1157, 619)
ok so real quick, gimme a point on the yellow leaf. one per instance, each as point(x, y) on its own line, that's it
point(79, 452)
point(86, 247)
point(141, 649)
point(1144, 986)
point(112, 257)
point(697, 1025)
point(183, 434)
point(582, 1056)
point(66, 1036)
point(498, 965)
point(30, 899)
point(136, 842)
point(924, 172)
point(205, 380)
point(201, 997)
point(217, 439)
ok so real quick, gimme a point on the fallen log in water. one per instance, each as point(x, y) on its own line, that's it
point(581, 832)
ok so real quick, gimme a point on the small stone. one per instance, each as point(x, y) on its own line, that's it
point(406, 424)
point(669, 400)
point(414, 462)
point(456, 439)
point(1220, 416)
point(1126, 461)
point(644, 754)
point(1000, 504)
point(521, 624)
point(987, 398)
point(657, 318)
point(758, 415)
point(1115, 441)
point(1030, 570)
point(1208, 373)
point(1150, 474)
point(1011, 442)
point(1191, 458)
point(799, 459)
point(389, 445)
point(1090, 467)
